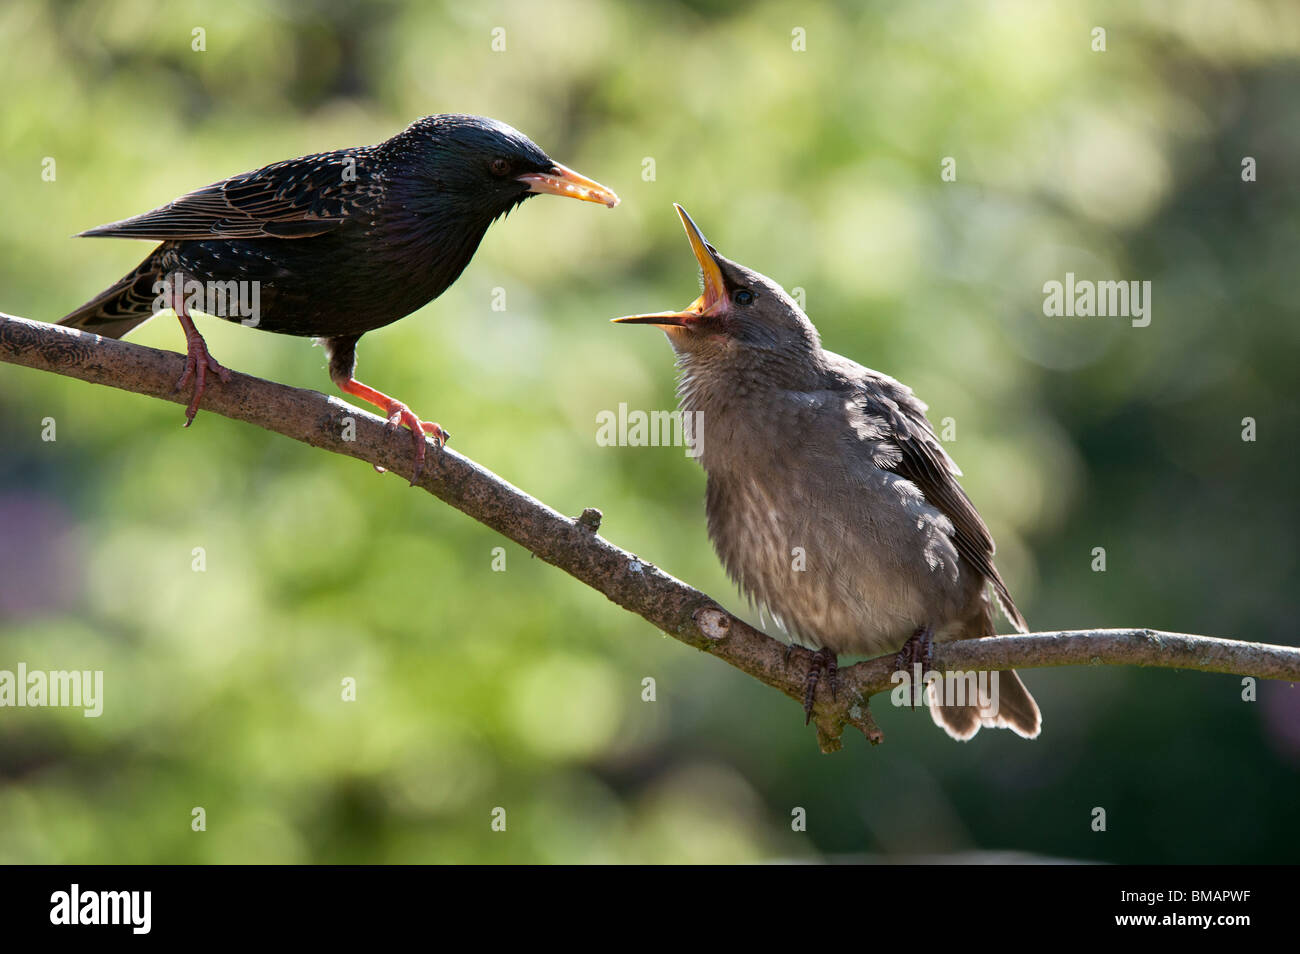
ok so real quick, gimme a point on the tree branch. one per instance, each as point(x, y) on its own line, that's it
point(573, 544)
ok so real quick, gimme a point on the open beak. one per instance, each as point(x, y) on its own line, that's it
point(714, 299)
point(562, 180)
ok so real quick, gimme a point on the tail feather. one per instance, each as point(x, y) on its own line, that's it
point(1015, 709)
point(121, 307)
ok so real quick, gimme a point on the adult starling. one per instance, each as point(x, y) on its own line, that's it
point(331, 245)
point(830, 500)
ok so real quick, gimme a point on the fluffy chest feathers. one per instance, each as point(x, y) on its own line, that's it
point(813, 524)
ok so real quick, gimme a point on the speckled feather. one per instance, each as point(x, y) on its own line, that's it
point(341, 242)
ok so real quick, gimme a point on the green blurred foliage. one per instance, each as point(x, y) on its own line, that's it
point(522, 689)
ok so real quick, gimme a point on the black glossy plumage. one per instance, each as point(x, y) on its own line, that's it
point(332, 245)
point(342, 242)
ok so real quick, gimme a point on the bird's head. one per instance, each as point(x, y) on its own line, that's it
point(743, 320)
point(489, 165)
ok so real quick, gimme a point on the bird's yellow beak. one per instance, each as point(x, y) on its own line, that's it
point(714, 299)
point(562, 180)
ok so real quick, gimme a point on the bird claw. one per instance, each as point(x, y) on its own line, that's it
point(198, 362)
point(823, 660)
point(398, 415)
point(919, 649)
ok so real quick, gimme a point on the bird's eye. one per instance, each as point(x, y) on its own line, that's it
point(742, 296)
point(500, 167)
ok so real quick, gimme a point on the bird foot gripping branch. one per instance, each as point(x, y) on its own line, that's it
point(198, 360)
point(824, 662)
point(399, 414)
point(840, 704)
point(916, 656)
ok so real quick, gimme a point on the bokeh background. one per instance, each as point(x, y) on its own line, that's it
point(523, 689)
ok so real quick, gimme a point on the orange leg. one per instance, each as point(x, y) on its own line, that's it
point(397, 414)
point(198, 362)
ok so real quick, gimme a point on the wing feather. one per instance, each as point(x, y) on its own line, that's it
point(923, 460)
point(297, 198)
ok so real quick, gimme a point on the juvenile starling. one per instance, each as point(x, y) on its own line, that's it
point(830, 500)
point(331, 245)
